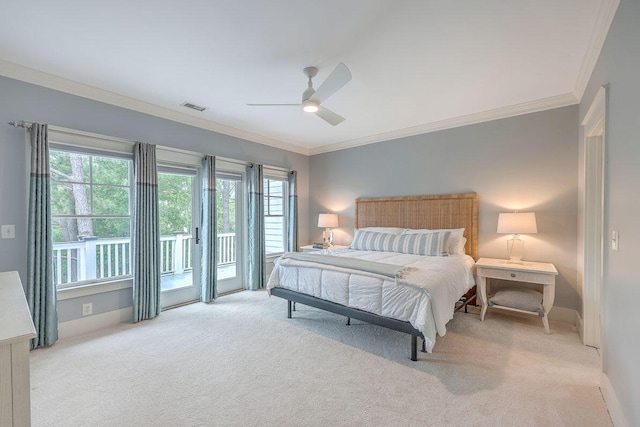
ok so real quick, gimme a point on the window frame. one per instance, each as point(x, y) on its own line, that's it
point(67, 139)
point(56, 146)
point(285, 209)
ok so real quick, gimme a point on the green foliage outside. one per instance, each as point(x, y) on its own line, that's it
point(175, 197)
point(95, 186)
point(90, 186)
point(226, 205)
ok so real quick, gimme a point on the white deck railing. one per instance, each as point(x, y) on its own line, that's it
point(93, 258)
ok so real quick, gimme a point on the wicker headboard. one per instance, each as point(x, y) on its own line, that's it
point(433, 212)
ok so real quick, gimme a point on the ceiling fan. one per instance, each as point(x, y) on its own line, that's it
point(312, 98)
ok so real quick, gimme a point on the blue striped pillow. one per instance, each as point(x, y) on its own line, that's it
point(372, 241)
point(433, 243)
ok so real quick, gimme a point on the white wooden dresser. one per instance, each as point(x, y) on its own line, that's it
point(16, 329)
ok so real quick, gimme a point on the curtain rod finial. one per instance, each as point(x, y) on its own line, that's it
point(20, 124)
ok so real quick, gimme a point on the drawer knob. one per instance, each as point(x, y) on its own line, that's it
point(513, 274)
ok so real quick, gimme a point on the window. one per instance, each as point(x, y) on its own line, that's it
point(91, 216)
point(275, 209)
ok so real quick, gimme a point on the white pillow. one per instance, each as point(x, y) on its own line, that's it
point(386, 230)
point(457, 248)
point(456, 239)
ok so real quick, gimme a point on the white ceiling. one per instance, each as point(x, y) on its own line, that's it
point(417, 65)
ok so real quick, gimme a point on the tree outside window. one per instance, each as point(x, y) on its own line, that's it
point(90, 203)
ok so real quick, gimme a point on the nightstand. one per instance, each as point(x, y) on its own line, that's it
point(310, 248)
point(528, 272)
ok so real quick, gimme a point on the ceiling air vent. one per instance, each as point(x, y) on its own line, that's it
point(193, 106)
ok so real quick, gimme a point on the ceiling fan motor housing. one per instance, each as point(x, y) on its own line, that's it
point(310, 72)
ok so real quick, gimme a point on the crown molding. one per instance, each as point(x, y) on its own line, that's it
point(470, 119)
point(606, 13)
point(51, 81)
point(40, 78)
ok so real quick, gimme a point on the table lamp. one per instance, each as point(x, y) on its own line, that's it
point(328, 221)
point(516, 223)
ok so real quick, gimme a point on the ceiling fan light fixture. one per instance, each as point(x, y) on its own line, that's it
point(312, 99)
point(310, 106)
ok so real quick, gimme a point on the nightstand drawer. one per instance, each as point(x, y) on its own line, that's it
point(518, 276)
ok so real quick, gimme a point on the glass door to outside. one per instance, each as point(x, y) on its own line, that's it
point(177, 198)
point(229, 229)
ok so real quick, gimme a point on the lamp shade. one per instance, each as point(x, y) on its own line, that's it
point(517, 223)
point(328, 220)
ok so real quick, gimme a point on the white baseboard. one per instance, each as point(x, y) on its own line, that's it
point(613, 405)
point(580, 327)
point(125, 315)
point(88, 324)
point(565, 315)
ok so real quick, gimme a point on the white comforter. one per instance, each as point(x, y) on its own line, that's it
point(424, 295)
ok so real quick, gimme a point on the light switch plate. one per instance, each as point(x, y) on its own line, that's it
point(8, 231)
point(614, 240)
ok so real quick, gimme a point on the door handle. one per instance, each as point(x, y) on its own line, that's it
point(197, 235)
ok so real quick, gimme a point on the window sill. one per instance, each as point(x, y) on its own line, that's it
point(94, 288)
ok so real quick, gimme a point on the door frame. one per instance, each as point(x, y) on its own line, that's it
point(593, 230)
point(238, 282)
point(176, 297)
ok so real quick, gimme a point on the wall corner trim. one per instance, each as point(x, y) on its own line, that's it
point(613, 404)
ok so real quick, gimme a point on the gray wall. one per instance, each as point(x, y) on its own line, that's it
point(524, 163)
point(24, 101)
point(619, 67)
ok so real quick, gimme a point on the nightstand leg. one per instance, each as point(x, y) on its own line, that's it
point(483, 296)
point(548, 297)
point(545, 323)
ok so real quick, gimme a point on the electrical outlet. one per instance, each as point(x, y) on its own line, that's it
point(87, 309)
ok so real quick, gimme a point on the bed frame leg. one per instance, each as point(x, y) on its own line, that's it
point(414, 348)
point(424, 345)
point(289, 308)
point(464, 302)
point(348, 321)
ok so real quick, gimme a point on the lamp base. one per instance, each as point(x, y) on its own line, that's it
point(515, 249)
point(327, 237)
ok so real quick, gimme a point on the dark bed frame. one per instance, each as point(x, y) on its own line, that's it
point(433, 212)
point(293, 297)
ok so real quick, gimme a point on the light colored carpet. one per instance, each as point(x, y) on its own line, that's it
point(240, 361)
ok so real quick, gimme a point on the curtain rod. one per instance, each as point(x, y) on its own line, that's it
point(27, 125)
point(21, 124)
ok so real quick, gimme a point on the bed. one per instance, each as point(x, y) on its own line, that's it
point(408, 268)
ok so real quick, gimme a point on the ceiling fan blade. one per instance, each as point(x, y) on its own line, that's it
point(329, 116)
point(273, 105)
point(339, 77)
